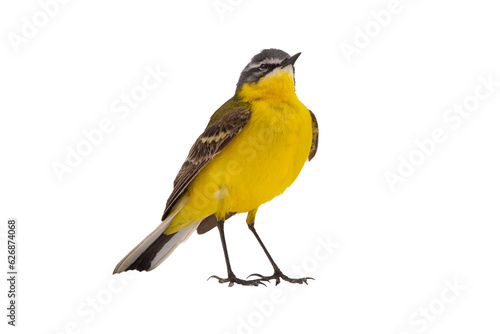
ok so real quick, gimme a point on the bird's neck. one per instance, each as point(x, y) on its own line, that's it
point(279, 86)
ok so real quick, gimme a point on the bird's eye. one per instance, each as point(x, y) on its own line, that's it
point(263, 67)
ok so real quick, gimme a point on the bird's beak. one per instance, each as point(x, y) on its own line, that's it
point(290, 61)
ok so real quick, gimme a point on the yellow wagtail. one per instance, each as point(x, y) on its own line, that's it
point(253, 148)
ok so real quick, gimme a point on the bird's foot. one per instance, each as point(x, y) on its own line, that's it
point(279, 275)
point(232, 279)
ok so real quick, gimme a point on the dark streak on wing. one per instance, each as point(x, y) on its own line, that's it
point(206, 147)
point(315, 130)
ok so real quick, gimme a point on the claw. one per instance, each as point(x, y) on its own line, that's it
point(262, 277)
point(279, 275)
point(298, 280)
point(232, 279)
point(221, 280)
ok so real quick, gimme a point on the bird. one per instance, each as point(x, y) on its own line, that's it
point(251, 151)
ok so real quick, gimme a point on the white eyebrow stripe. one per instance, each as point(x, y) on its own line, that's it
point(272, 61)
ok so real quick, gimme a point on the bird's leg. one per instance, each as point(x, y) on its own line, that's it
point(277, 272)
point(231, 277)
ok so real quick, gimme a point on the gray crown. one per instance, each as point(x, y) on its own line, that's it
point(260, 65)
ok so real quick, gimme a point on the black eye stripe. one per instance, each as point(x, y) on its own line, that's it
point(257, 71)
point(266, 66)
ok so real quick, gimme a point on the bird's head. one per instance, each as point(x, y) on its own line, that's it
point(270, 74)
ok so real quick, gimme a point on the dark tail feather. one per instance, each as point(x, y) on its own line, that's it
point(143, 262)
point(155, 248)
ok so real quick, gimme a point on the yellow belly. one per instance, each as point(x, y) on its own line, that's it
point(259, 164)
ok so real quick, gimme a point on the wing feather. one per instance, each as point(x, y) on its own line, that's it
point(315, 131)
point(211, 142)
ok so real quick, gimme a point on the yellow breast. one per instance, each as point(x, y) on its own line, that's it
point(262, 161)
point(266, 156)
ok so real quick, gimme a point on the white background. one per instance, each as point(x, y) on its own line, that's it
point(396, 249)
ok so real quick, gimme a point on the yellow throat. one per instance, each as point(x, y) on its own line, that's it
point(278, 84)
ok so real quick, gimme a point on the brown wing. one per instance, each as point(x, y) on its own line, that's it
point(315, 130)
point(207, 146)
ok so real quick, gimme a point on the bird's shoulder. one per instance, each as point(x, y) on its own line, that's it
point(232, 104)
